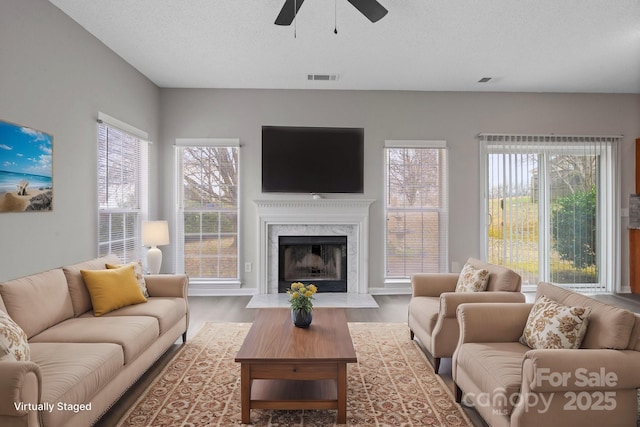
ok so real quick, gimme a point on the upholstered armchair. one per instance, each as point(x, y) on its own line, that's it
point(434, 301)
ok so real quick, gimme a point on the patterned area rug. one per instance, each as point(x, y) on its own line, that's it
point(392, 384)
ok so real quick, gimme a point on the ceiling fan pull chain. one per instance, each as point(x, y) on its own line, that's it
point(295, 19)
point(335, 17)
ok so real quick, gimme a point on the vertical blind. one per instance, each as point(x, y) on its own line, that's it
point(550, 208)
point(122, 191)
point(207, 216)
point(416, 208)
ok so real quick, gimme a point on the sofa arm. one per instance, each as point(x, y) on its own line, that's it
point(492, 322)
point(433, 284)
point(449, 301)
point(19, 382)
point(167, 285)
point(561, 370)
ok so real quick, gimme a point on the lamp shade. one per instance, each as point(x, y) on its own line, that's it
point(155, 233)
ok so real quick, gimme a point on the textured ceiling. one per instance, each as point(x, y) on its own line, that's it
point(429, 45)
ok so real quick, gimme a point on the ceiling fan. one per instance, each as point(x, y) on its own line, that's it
point(373, 10)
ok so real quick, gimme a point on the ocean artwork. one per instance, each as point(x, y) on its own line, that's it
point(26, 169)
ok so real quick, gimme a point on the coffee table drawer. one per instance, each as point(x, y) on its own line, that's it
point(295, 371)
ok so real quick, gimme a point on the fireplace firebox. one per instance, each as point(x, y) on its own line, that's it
point(321, 260)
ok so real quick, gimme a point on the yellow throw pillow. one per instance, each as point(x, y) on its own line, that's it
point(137, 268)
point(112, 289)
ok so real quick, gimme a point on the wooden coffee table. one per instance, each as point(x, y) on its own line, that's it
point(284, 367)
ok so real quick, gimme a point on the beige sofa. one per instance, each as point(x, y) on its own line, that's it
point(511, 384)
point(433, 305)
point(81, 364)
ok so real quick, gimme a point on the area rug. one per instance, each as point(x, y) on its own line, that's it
point(392, 384)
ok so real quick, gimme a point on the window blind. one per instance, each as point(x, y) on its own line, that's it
point(550, 207)
point(207, 214)
point(416, 208)
point(122, 191)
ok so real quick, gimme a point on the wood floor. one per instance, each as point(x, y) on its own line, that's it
point(392, 308)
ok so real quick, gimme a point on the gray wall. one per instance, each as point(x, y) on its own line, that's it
point(454, 117)
point(55, 77)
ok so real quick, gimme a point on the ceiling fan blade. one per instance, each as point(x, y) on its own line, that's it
point(287, 13)
point(373, 10)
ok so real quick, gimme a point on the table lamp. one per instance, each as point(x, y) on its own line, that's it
point(154, 234)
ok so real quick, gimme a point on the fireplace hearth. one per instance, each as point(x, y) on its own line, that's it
point(321, 260)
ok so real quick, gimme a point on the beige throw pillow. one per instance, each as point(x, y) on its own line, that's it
point(472, 279)
point(552, 325)
point(14, 346)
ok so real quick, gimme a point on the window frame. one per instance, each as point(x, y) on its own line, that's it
point(140, 212)
point(442, 209)
point(607, 210)
point(203, 282)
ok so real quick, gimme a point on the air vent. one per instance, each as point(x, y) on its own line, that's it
point(322, 77)
point(484, 79)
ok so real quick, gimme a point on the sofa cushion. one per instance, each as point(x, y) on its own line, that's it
point(472, 279)
point(80, 298)
point(14, 346)
point(133, 333)
point(38, 301)
point(73, 373)
point(609, 327)
point(112, 289)
point(496, 368)
point(168, 311)
point(552, 325)
point(500, 278)
point(139, 275)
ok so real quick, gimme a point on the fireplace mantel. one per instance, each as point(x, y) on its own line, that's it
point(336, 215)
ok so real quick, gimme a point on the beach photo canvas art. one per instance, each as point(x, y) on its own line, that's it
point(26, 169)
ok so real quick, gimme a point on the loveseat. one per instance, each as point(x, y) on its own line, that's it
point(79, 363)
point(433, 304)
point(511, 384)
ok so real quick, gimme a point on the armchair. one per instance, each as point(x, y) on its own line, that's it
point(510, 384)
point(433, 305)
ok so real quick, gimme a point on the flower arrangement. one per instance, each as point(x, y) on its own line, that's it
point(301, 296)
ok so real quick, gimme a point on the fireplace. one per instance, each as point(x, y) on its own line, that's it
point(312, 217)
point(321, 260)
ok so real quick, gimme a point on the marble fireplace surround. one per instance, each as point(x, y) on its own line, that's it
point(315, 217)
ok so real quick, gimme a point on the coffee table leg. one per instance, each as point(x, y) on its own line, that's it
point(342, 393)
point(245, 392)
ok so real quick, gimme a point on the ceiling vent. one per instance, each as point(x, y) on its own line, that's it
point(323, 77)
point(484, 80)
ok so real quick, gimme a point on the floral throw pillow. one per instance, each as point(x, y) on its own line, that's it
point(472, 279)
point(13, 341)
point(552, 325)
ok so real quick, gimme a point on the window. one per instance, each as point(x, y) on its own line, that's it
point(122, 188)
point(550, 208)
point(416, 208)
point(207, 210)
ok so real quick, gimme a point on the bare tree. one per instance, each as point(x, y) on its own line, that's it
point(210, 175)
point(414, 176)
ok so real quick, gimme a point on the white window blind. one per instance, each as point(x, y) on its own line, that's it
point(416, 208)
point(550, 207)
point(207, 211)
point(122, 190)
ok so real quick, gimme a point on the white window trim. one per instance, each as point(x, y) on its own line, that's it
point(610, 265)
point(207, 286)
point(144, 171)
point(414, 143)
